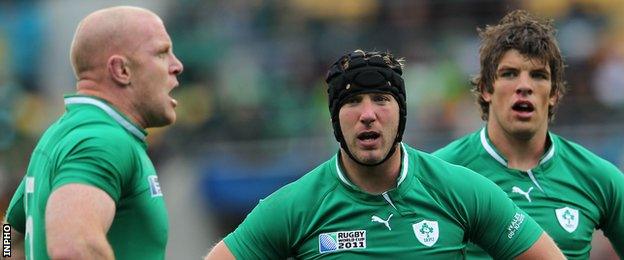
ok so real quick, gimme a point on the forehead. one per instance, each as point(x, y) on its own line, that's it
point(151, 32)
point(514, 59)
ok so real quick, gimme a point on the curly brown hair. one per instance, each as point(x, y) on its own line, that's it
point(533, 38)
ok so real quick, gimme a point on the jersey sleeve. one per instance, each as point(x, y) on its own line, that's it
point(496, 224)
point(103, 161)
point(264, 234)
point(16, 215)
point(444, 153)
point(613, 220)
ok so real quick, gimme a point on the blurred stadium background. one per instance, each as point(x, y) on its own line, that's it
point(253, 110)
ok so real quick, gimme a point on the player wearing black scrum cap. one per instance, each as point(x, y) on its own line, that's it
point(378, 198)
point(377, 74)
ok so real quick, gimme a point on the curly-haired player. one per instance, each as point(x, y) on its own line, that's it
point(567, 189)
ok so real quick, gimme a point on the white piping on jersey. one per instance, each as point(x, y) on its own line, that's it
point(534, 180)
point(550, 153)
point(342, 178)
point(404, 168)
point(490, 150)
point(385, 196)
point(404, 165)
point(497, 157)
point(110, 111)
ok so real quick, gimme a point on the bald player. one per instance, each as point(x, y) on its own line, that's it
point(90, 191)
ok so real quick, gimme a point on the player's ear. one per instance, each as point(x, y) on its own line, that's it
point(485, 94)
point(487, 97)
point(554, 98)
point(119, 69)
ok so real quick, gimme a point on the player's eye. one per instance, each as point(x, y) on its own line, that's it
point(508, 74)
point(353, 100)
point(381, 98)
point(164, 52)
point(541, 75)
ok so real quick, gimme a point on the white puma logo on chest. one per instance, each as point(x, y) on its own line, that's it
point(526, 194)
point(380, 220)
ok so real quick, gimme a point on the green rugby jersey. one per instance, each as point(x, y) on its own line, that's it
point(94, 144)
point(433, 212)
point(570, 193)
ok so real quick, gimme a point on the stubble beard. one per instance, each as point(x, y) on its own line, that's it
point(362, 158)
point(157, 114)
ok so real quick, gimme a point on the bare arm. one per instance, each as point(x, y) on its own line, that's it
point(543, 248)
point(17, 243)
point(220, 251)
point(77, 219)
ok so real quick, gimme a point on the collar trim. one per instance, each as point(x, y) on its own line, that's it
point(490, 149)
point(486, 145)
point(134, 130)
point(402, 176)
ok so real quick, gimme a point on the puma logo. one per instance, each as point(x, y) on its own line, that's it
point(380, 220)
point(526, 194)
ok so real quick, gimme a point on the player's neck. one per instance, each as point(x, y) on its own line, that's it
point(111, 95)
point(373, 179)
point(522, 152)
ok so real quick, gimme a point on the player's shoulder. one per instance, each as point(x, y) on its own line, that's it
point(104, 136)
point(576, 155)
point(306, 191)
point(449, 183)
point(440, 173)
point(94, 137)
point(88, 122)
point(73, 129)
point(91, 121)
point(461, 150)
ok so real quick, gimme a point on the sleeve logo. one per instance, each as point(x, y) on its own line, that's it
point(427, 232)
point(515, 224)
point(568, 218)
point(342, 240)
point(154, 186)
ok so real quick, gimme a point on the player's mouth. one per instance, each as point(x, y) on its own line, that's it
point(523, 109)
point(368, 139)
point(172, 100)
